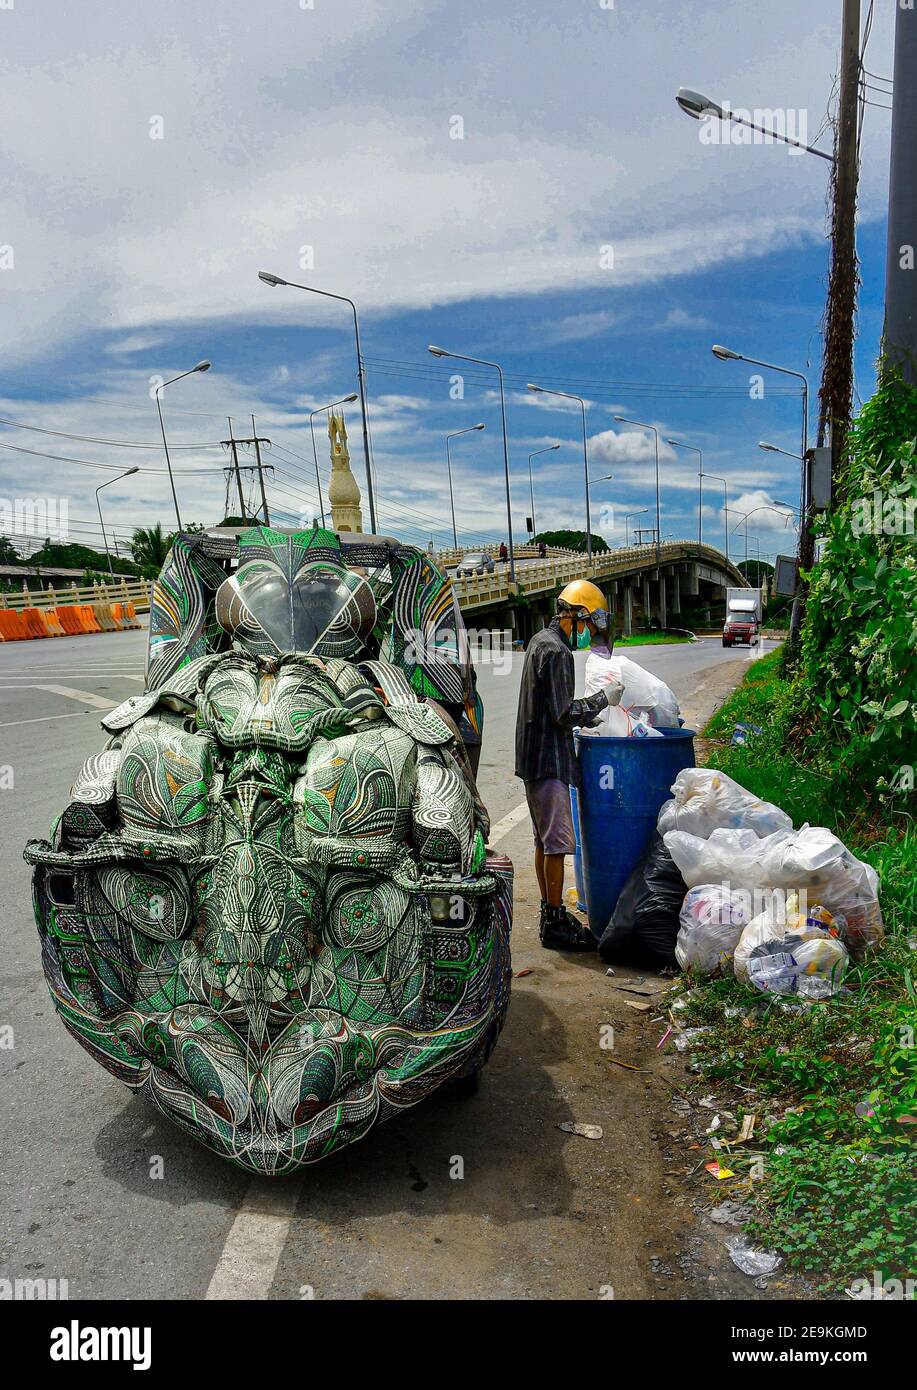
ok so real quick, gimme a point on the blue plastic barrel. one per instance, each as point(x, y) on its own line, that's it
point(578, 859)
point(623, 785)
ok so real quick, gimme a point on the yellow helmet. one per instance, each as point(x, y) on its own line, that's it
point(583, 598)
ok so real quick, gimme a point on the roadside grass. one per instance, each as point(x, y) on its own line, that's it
point(651, 639)
point(832, 1170)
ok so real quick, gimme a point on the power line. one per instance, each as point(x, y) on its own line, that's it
point(92, 439)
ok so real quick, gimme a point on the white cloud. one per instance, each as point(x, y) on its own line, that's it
point(330, 130)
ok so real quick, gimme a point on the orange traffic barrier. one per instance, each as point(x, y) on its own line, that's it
point(87, 617)
point(104, 617)
point(34, 623)
point(69, 618)
point(50, 620)
point(125, 614)
point(12, 625)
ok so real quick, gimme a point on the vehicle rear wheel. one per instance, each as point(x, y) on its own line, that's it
point(464, 1087)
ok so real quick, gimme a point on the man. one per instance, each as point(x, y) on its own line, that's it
point(545, 753)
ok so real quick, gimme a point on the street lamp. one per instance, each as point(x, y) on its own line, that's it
point(270, 279)
point(569, 396)
point(627, 516)
point(108, 483)
point(481, 362)
point(727, 355)
point(549, 450)
point(699, 107)
point(772, 449)
point(676, 444)
point(717, 479)
point(201, 367)
point(622, 419)
point(312, 414)
point(454, 435)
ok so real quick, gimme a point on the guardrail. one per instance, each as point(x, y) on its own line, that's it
point(538, 576)
point(135, 591)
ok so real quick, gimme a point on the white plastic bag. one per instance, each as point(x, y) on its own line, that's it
point(794, 953)
point(711, 921)
point(705, 800)
point(810, 861)
point(644, 693)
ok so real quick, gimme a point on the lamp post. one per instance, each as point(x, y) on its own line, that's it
point(803, 549)
point(108, 483)
point(569, 396)
point(699, 107)
point(201, 367)
point(627, 516)
point(481, 362)
point(549, 450)
point(454, 435)
point(717, 479)
point(312, 414)
point(623, 420)
point(772, 449)
point(676, 444)
point(270, 279)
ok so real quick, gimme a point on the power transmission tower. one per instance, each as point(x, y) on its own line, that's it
point(262, 515)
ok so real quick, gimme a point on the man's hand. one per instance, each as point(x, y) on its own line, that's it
point(612, 690)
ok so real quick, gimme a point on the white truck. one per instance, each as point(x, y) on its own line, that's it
point(743, 616)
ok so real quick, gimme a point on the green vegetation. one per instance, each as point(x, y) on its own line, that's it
point(651, 639)
point(570, 540)
point(835, 1083)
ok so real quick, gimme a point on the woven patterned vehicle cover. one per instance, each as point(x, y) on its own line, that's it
point(268, 905)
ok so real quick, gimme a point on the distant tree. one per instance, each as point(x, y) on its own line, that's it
point(570, 540)
point(9, 555)
point(57, 555)
point(149, 548)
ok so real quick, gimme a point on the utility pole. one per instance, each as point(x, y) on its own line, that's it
point(836, 393)
point(901, 271)
point(239, 468)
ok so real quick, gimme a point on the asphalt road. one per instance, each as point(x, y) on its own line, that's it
point(80, 1199)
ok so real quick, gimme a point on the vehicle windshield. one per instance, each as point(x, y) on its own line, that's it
point(475, 560)
point(323, 610)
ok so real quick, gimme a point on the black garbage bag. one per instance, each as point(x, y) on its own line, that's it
point(644, 925)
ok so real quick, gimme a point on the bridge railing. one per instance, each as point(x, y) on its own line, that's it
point(135, 591)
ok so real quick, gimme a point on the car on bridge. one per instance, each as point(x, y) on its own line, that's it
point(476, 562)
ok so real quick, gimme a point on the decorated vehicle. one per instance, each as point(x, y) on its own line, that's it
point(268, 905)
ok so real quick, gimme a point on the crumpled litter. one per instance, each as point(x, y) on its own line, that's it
point(711, 920)
point(751, 1259)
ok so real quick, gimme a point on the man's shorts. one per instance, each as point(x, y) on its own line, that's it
point(549, 807)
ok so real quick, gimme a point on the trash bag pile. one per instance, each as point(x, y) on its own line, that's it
point(783, 909)
point(646, 706)
point(729, 887)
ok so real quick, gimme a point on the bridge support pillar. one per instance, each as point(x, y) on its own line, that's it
point(647, 603)
point(628, 596)
point(663, 611)
point(676, 590)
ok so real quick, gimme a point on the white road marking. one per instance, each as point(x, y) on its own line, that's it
point(508, 823)
point(45, 718)
point(248, 1264)
point(85, 697)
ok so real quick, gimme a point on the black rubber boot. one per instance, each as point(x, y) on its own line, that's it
point(562, 932)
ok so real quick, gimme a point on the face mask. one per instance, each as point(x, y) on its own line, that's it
point(583, 640)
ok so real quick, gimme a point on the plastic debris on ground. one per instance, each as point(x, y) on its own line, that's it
point(743, 732)
point(584, 1131)
point(712, 918)
point(689, 1037)
point(749, 1258)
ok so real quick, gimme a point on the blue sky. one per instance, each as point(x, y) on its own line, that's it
point(333, 128)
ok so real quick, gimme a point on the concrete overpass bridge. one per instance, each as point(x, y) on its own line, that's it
point(687, 587)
